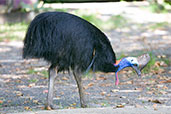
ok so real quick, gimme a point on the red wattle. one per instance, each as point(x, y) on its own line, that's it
point(117, 79)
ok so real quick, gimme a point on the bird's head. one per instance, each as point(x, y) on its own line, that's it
point(137, 63)
point(129, 62)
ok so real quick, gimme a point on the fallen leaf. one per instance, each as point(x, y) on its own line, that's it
point(64, 78)
point(108, 95)
point(48, 108)
point(71, 107)
point(18, 93)
point(35, 101)
point(87, 93)
point(31, 85)
point(155, 106)
point(138, 106)
point(1, 101)
point(106, 85)
point(90, 84)
point(149, 92)
point(74, 104)
point(103, 93)
point(120, 106)
point(101, 78)
point(163, 92)
point(156, 101)
point(17, 69)
point(127, 82)
point(26, 108)
point(114, 90)
point(165, 81)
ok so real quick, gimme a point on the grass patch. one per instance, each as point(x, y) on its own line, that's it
point(166, 60)
point(88, 75)
point(117, 21)
point(44, 73)
point(32, 71)
point(10, 32)
point(161, 25)
point(150, 65)
point(33, 80)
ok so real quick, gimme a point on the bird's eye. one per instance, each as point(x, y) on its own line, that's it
point(135, 64)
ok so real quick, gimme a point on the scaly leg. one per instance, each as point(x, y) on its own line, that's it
point(80, 89)
point(52, 76)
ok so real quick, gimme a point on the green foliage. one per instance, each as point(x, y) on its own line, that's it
point(156, 7)
point(28, 7)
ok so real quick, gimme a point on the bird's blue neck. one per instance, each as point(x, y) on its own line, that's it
point(122, 64)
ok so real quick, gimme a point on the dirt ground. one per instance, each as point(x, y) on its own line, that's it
point(23, 83)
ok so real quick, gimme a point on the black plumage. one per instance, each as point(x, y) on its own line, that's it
point(66, 40)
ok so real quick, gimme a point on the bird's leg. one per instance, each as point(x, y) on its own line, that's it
point(52, 76)
point(78, 79)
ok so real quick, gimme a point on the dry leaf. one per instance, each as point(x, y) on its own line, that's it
point(155, 106)
point(48, 108)
point(103, 93)
point(31, 85)
point(35, 101)
point(120, 106)
point(149, 92)
point(26, 108)
point(165, 81)
point(90, 84)
point(163, 92)
point(71, 107)
point(101, 78)
point(114, 90)
point(18, 93)
point(74, 104)
point(127, 82)
point(1, 101)
point(156, 101)
point(64, 78)
point(106, 85)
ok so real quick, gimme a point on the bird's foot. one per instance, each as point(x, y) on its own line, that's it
point(51, 107)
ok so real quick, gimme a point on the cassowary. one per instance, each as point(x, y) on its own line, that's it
point(70, 42)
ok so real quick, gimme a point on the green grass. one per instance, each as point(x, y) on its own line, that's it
point(44, 73)
point(33, 80)
point(150, 65)
point(32, 71)
point(10, 32)
point(166, 60)
point(160, 25)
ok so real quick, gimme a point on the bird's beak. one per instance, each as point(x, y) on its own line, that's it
point(136, 68)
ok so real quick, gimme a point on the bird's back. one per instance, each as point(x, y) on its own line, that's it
point(66, 41)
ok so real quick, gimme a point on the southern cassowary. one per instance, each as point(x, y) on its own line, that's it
point(69, 42)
